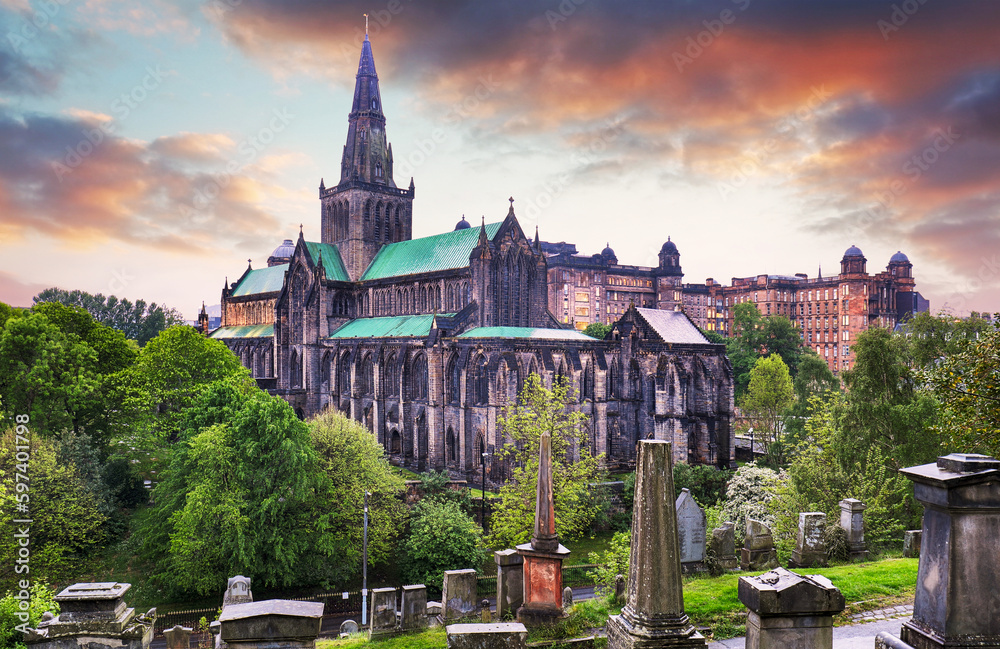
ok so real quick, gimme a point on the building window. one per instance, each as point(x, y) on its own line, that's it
point(582, 296)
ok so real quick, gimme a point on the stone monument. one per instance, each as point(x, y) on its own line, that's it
point(179, 637)
point(691, 526)
point(758, 548)
point(498, 635)
point(911, 543)
point(510, 582)
point(653, 615)
point(273, 623)
point(853, 521)
point(94, 615)
point(382, 621)
point(789, 611)
point(543, 557)
point(237, 591)
point(413, 607)
point(724, 546)
point(458, 594)
point(810, 542)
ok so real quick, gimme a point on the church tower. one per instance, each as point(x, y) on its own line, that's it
point(365, 209)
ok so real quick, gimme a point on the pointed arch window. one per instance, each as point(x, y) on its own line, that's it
point(368, 376)
point(418, 378)
point(480, 384)
point(344, 374)
point(454, 378)
point(378, 222)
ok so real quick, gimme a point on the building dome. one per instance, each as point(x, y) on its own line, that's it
point(853, 251)
point(285, 250)
point(899, 257)
point(608, 253)
point(669, 248)
point(463, 224)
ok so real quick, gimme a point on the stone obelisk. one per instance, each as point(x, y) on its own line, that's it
point(543, 557)
point(653, 615)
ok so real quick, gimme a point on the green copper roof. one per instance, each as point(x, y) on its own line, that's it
point(332, 262)
point(261, 280)
point(388, 327)
point(244, 331)
point(426, 255)
point(525, 332)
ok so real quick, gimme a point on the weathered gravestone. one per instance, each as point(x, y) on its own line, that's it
point(567, 597)
point(653, 615)
point(347, 627)
point(414, 607)
point(179, 637)
point(237, 591)
point(272, 623)
point(93, 615)
point(382, 621)
point(911, 543)
point(810, 542)
point(789, 611)
point(758, 548)
point(498, 635)
point(691, 524)
point(458, 595)
point(853, 521)
point(510, 582)
point(723, 545)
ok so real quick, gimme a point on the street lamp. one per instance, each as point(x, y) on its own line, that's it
point(364, 566)
point(482, 503)
point(752, 456)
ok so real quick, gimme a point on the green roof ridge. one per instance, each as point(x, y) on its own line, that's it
point(400, 326)
point(436, 252)
point(261, 280)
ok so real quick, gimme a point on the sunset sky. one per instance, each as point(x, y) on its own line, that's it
point(149, 149)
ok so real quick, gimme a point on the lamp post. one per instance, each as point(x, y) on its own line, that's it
point(364, 566)
point(752, 456)
point(482, 503)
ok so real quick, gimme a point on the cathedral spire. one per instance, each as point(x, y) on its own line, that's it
point(367, 155)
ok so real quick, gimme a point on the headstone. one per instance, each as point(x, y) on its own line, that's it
point(620, 588)
point(911, 543)
point(653, 615)
point(957, 603)
point(691, 524)
point(95, 615)
point(543, 557)
point(347, 627)
point(724, 546)
point(433, 608)
point(179, 637)
point(498, 635)
point(484, 608)
point(758, 548)
point(458, 595)
point(810, 542)
point(276, 623)
point(567, 597)
point(215, 628)
point(789, 610)
point(853, 522)
point(414, 607)
point(237, 591)
point(510, 582)
point(383, 612)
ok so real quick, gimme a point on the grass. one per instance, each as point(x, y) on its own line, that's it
point(580, 549)
point(430, 639)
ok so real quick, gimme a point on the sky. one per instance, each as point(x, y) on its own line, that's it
point(149, 149)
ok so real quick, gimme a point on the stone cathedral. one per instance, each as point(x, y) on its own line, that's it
point(426, 340)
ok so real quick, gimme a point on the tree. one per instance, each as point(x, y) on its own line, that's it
point(573, 467)
point(139, 321)
point(769, 394)
point(597, 330)
point(966, 384)
point(755, 336)
point(814, 379)
point(442, 537)
point(13, 619)
point(930, 338)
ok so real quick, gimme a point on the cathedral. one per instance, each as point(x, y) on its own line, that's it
point(426, 340)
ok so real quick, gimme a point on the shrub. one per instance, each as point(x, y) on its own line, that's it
point(748, 495)
point(442, 537)
point(835, 540)
point(707, 484)
point(11, 614)
point(612, 562)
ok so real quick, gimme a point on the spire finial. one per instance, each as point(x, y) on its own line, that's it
point(366, 27)
point(249, 266)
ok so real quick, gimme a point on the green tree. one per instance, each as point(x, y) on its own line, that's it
point(770, 392)
point(573, 467)
point(139, 321)
point(706, 483)
point(14, 620)
point(748, 495)
point(933, 337)
point(597, 330)
point(755, 336)
point(441, 537)
point(966, 383)
point(814, 379)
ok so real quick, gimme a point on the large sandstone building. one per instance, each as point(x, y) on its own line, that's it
point(426, 340)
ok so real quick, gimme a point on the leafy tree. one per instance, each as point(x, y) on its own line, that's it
point(434, 486)
point(966, 383)
point(13, 620)
point(612, 562)
point(769, 394)
point(755, 336)
point(442, 537)
point(139, 321)
point(933, 337)
point(748, 495)
point(814, 379)
point(706, 483)
point(597, 330)
point(6, 313)
point(573, 467)
point(714, 337)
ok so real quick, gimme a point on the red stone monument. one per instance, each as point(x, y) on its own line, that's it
point(543, 557)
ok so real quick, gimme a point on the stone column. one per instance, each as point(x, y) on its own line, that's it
point(653, 615)
point(810, 546)
point(789, 611)
point(957, 603)
point(510, 582)
point(852, 520)
point(543, 557)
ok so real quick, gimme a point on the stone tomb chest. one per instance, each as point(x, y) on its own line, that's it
point(274, 622)
point(97, 612)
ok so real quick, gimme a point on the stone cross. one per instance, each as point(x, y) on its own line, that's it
point(810, 544)
point(653, 615)
point(691, 524)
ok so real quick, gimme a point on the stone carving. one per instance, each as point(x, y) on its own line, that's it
point(724, 546)
point(758, 548)
point(510, 582)
point(789, 610)
point(653, 615)
point(691, 524)
point(458, 596)
point(852, 520)
point(810, 544)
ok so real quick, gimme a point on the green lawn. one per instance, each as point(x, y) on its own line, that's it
point(580, 549)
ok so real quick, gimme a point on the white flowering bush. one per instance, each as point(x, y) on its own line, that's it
point(748, 495)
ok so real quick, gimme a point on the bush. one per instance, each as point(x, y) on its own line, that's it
point(707, 484)
point(835, 540)
point(434, 486)
point(442, 537)
point(748, 495)
point(612, 562)
point(40, 601)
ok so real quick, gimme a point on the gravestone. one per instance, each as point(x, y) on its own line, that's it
point(93, 615)
point(498, 635)
point(853, 522)
point(810, 544)
point(911, 543)
point(237, 591)
point(789, 611)
point(178, 637)
point(458, 595)
point(510, 582)
point(724, 547)
point(347, 627)
point(758, 548)
point(383, 612)
point(567, 597)
point(653, 615)
point(414, 607)
point(620, 588)
point(274, 623)
point(691, 524)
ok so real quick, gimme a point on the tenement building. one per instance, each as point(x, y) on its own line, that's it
point(427, 340)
